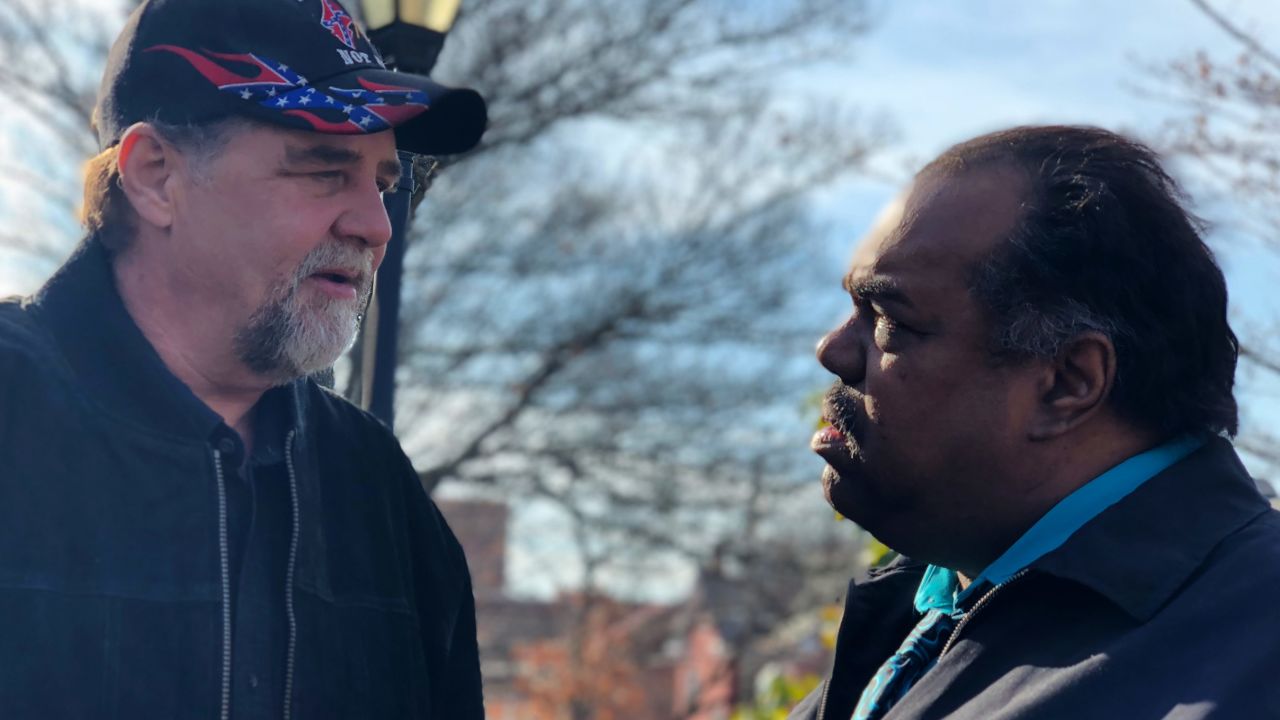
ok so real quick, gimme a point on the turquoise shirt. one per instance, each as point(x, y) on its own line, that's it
point(939, 589)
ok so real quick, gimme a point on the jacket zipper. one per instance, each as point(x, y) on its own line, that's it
point(225, 565)
point(822, 703)
point(224, 561)
point(288, 579)
point(982, 602)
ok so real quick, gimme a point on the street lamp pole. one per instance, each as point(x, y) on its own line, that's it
point(409, 34)
point(385, 321)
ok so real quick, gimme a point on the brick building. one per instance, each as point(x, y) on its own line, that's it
point(638, 661)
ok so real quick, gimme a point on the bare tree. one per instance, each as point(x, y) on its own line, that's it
point(50, 61)
point(1228, 126)
point(612, 307)
point(608, 297)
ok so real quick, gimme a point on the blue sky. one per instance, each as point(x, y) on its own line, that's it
point(946, 71)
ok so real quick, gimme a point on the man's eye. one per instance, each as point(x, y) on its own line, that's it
point(888, 323)
point(328, 176)
point(890, 330)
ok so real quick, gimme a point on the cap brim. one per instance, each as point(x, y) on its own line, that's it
point(428, 118)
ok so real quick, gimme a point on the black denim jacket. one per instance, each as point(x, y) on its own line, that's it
point(113, 551)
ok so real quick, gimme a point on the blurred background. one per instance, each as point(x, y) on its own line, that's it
point(605, 371)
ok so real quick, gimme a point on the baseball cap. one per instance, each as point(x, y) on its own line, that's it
point(303, 64)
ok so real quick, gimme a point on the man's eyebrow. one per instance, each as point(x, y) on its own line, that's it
point(321, 154)
point(877, 289)
point(388, 169)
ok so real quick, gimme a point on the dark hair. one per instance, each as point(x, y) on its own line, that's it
point(1104, 244)
point(106, 213)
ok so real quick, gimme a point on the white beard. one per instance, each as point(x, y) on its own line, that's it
point(294, 333)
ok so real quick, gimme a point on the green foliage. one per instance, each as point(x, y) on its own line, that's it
point(777, 698)
point(877, 553)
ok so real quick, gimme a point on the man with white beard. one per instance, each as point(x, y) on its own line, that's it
point(189, 525)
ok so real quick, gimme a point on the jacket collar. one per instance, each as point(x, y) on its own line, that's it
point(878, 614)
point(1141, 550)
point(115, 364)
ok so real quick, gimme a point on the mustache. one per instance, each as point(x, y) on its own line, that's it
point(342, 255)
point(842, 407)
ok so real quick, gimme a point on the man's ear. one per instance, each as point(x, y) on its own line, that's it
point(147, 167)
point(1076, 385)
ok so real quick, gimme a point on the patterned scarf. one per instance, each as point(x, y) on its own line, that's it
point(917, 654)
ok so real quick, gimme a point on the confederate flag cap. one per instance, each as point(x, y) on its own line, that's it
point(303, 64)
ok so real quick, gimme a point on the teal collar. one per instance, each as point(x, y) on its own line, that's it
point(939, 587)
point(937, 590)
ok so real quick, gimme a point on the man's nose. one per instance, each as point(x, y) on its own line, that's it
point(366, 222)
point(842, 352)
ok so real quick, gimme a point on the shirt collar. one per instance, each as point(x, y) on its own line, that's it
point(1046, 544)
point(937, 590)
point(1083, 505)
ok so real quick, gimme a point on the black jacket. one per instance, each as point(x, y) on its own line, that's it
point(1166, 605)
point(112, 546)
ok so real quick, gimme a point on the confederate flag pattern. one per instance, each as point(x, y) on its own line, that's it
point(371, 107)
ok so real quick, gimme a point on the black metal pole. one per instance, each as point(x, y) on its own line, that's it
point(383, 393)
point(413, 49)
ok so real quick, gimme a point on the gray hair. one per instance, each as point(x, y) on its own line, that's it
point(201, 143)
point(106, 212)
point(1025, 330)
